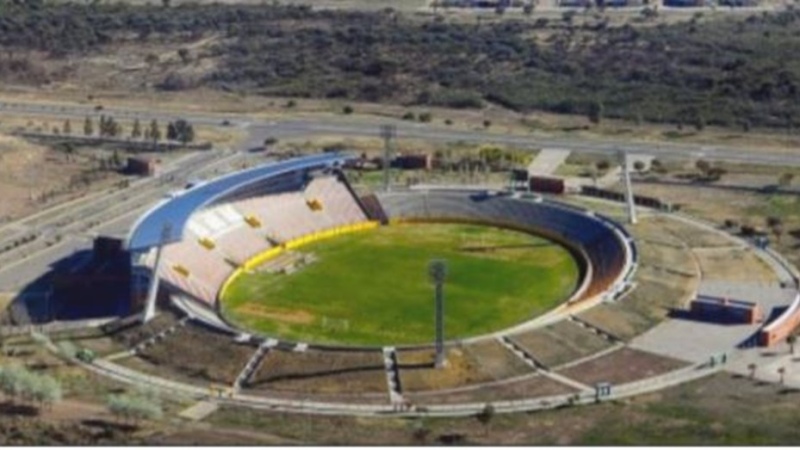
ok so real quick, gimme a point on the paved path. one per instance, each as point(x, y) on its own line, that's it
point(690, 340)
point(199, 410)
point(767, 364)
point(548, 160)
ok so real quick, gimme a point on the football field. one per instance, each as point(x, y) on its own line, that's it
point(373, 288)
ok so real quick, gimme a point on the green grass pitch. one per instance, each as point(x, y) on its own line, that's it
point(372, 288)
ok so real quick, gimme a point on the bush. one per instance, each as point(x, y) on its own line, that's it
point(135, 407)
point(459, 99)
point(347, 109)
point(425, 117)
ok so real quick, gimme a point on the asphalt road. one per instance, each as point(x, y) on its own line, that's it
point(355, 126)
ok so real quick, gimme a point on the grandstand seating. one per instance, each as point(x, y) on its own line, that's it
point(219, 238)
point(605, 249)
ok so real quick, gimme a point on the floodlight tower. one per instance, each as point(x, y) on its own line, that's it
point(437, 269)
point(152, 292)
point(388, 133)
point(626, 175)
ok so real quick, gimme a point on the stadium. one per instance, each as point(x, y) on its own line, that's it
point(282, 287)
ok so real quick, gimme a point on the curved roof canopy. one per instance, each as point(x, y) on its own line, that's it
point(175, 212)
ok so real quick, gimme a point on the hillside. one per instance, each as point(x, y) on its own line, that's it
point(735, 71)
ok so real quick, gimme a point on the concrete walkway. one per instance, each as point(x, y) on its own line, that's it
point(547, 161)
point(199, 411)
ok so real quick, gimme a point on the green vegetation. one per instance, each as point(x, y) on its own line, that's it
point(17, 382)
point(373, 288)
point(135, 407)
point(738, 71)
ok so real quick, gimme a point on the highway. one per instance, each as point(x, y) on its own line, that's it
point(359, 127)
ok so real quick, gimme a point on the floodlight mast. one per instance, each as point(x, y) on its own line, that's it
point(437, 269)
point(152, 292)
point(629, 198)
point(388, 133)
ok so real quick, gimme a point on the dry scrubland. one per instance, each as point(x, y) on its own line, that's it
point(29, 172)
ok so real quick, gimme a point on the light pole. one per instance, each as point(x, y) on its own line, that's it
point(152, 293)
point(437, 269)
point(388, 133)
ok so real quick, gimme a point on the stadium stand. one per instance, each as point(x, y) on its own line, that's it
point(780, 328)
point(219, 238)
point(607, 250)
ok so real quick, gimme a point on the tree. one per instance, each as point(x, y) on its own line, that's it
point(487, 123)
point(703, 166)
point(18, 382)
point(638, 166)
point(657, 166)
point(52, 392)
point(595, 113)
point(134, 407)
point(775, 224)
point(151, 59)
point(425, 117)
point(155, 132)
point(485, 417)
point(603, 165)
point(269, 142)
point(420, 431)
point(88, 126)
point(184, 55)
point(699, 122)
point(136, 131)
point(172, 132)
point(785, 180)
point(347, 109)
point(752, 368)
point(527, 8)
point(181, 130)
point(11, 381)
point(67, 129)
point(649, 13)
point(781, 372)
point(791, 340)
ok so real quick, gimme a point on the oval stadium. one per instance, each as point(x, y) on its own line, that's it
point(287, 286)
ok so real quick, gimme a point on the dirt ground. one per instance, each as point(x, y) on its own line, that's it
point(723, 409)
point(529, 387)
point(622, 366)
point(417, 372)
point(30, 174)
point(321, 372)
point(734, 265)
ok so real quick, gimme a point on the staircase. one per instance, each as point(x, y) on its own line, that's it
point(253, 363)
point(392, 375)
point(159, 336)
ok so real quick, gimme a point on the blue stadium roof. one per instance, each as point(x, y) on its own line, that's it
point(176, 211)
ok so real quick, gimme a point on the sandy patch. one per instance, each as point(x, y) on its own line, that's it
point(293, 316)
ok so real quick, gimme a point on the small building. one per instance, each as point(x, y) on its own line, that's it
point(724, 310)
point(549, 185)
point(142, 166)
point(413, 162)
